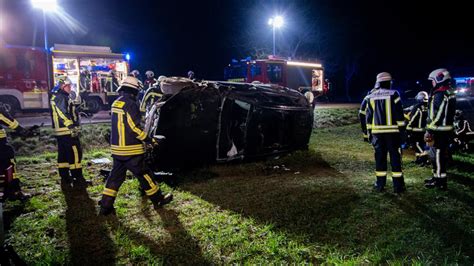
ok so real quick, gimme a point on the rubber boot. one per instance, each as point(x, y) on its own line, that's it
point(159, 199)
point(399, 185)
point(379, 185)
point(78, 179)
point(13, 191)
point(106, 205)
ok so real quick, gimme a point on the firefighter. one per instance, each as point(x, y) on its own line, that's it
point(417, 126)
point(66, 126)
point(9, 181)
point(128, 142)
point(385, 124)
point(362, 116)
point(462, 130)
point(441, 109)
point(150, 80)
point(152, 95)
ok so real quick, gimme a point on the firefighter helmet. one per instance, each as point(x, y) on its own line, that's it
point(439, 75)
point(190, 74)
point(149, 74)
point(161, 78)
point(422, 96)
point(135, 73)
point(130, 82)
point(381, 77)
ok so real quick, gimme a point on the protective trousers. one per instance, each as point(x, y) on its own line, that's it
point(418, 142)
point(383, 144)
point(439, 154)
point(136, 165)
point(69, 158)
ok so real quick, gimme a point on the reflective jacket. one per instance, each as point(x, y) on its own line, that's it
point(384, 112)
point(6, 121)
point(63, 114)
point(442, 106)
point(418, 115)
point(127, 136)
point(363, 112)
point(152, 95)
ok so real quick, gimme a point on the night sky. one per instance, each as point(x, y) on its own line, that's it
point(407, 38)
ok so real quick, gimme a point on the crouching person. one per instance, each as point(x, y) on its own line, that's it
point(128, 142)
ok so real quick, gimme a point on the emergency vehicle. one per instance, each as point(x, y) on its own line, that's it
point(292, 74)
point(25, 81)
point(464, 86)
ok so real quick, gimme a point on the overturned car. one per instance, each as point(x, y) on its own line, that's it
point(210, 121)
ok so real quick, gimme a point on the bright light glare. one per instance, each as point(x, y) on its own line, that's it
point(46, 5)
point(303, 64)
point(276, 21)
point(127, 56)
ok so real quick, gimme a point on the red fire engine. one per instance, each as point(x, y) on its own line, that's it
point(293, 74)
point(94, 71)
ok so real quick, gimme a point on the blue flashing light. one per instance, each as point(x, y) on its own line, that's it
point(127, 56)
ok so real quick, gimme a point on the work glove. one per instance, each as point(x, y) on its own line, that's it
point(429, 139)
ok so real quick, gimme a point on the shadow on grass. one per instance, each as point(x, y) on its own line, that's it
point(181, 249)
point(89, 241)
point(448, 231)
point(310, 199)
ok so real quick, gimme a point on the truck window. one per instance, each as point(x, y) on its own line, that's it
point(274, 73)
point(255, 70)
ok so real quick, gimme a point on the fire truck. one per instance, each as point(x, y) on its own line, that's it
point(292, 74)
point(464, 86)
point(25, 81)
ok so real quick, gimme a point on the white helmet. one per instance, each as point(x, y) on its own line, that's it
point(381, 77)
point(439, 75)
point(130, 82)
point(135, 73)
point(149, 74)
point(161, 78)
point(422, 96)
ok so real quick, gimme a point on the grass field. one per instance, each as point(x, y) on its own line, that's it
point(314, 206)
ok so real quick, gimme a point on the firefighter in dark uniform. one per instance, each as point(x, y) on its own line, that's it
point(66, 126)
point(9, 181)
point(463, 132)
point(362, 116)
point(152, 95)
point(385, 124)
point(441, 110)
point(417, 126)
point(128, 142)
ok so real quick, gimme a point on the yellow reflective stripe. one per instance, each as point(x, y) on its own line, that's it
point(117, 111)
point(400, 123)
point(438, 115)
point(127, 147)
point(380, 173)
point(67, 121)
point(76, 157)
point(127, 153)
point(55, 115)
point(366, 136)
point(362, 112)
point(397, 100)
point(150, 182)
point(75, 166)
point(3, 133)
point(397, 174)
point(121, 130)
point(152, 191)
point(62, 133)
point(384, 127)
point(63, 165)
point(141, 134)
point(372, 103)
point(109, 192)
point(377, 131)
point(8, 122)
point(388, 111)
point(418, 129)
point(440, 128)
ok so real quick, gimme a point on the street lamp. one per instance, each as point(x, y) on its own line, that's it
point(275, 22)
point(46, 6)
